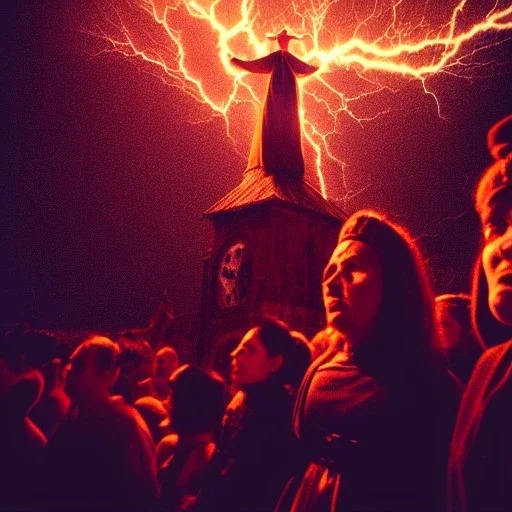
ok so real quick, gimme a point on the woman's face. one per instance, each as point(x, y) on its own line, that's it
point(251, 362)
point(450, 331)
point(497, 257)
point(352, 288)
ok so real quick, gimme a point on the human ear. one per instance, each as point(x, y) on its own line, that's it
point(276, 362)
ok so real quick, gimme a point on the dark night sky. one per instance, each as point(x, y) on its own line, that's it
point(106, 179)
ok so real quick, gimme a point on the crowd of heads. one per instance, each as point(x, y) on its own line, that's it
point(381, 315)
point(50, 389)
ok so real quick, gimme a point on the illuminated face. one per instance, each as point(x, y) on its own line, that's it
point(166, 361)
point(251, 362)
point(450, 331)
point(352, 288)
point(80, 374)
point(497, 257)
point(232, 286)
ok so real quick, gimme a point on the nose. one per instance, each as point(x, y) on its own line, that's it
point(333, 282)
point(236, 352)
point(505, 247)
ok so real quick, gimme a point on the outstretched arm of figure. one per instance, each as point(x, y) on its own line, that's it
point(299, 67)
point(263, 65)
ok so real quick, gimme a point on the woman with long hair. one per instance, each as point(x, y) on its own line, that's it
point(480, 469)
point(374, 412)
point(257, 451)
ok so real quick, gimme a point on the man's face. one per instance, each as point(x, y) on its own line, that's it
point(497, 256)
point(80, 375)
point(166, 362)
point(450, 331)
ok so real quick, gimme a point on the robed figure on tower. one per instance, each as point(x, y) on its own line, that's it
point(276, 145)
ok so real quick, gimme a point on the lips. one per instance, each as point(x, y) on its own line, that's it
point(505, 279)
point(236, 374)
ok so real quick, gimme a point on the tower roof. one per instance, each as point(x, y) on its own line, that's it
point(259, 187)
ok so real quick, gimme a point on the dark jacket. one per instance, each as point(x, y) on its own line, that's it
point(480, 467)
point(182, 474)
point(21, 445)
point(372, 447)
point(102, 460)
point(257, 452)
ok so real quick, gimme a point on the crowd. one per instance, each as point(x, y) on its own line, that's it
point(401, 404)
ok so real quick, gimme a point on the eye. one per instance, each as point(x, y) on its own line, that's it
point(250, 349)
point(493, 230)
point(349, 269)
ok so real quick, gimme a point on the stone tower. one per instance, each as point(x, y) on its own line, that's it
point(273, 233)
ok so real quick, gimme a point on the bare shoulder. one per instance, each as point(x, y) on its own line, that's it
point(127, 416)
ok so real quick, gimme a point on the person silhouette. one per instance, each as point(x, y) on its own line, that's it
point(276, 144)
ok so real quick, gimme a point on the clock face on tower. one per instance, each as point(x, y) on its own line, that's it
point(232, 277)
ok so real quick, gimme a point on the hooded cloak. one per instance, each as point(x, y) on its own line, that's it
point(276, 143)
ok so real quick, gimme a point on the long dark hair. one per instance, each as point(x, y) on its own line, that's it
point(278, 339)
point(405, 327)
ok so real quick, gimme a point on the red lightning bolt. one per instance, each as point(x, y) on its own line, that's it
point(170, 36)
